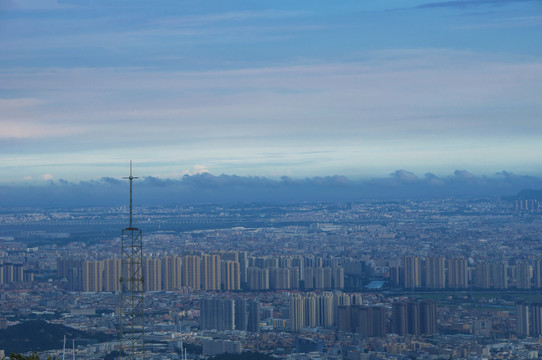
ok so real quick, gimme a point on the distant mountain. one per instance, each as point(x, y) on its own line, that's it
point(39, 335)
point(526, 194)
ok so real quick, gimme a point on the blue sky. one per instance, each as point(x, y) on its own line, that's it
point(295, 88)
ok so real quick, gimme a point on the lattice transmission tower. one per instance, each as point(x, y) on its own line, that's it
point(132, 315)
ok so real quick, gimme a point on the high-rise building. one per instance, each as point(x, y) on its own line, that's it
point(7, 273)
point(28, 276)
point(64, 266)
point(535, 319)
point(325, 309)
point(297, 263)
point(297, 312)
point(258, 279)
point(318, 278)
point(499, 278)
point(344, 318)
point(396, 275)
point(279, 278)
point(522, 319)
point(112, 274)
point(412, 272)
point(18, 272)
point(367, 321)
point(338, 277)
point(210, 272)
point(294, 277)
point(72, 270)
point(152, 273)
point(217, 313)
point(311, 310)
point(339, 299)
point(399, 320)
point(92, 276)
point(428, 317)
point(241, 319)
point(308, 278)
point(243, 265)
point(231, 275)
point(523, 275)
point(483, 275)
point(75, 278)
point(171, 273)
point(537, 273)
point(458, 277)
point(253, 324)
point(435, 275)
point(191, 272)
point(377, 315)
point(285, 262)
point(414, 318)
point(2, 274)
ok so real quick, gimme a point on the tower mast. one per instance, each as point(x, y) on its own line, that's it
point(132, 317)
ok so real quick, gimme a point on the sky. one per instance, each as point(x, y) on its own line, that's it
point(301, 89)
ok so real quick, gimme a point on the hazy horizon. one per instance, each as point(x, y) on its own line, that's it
point(225, 189)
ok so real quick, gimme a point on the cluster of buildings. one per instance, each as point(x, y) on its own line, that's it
point(528, 319)
point(222, 271)
point(14, 273)
point(228, 314)
point(440, 272)
point(526, 204)
point(236, 270)
point(348, 313)
point(383, 280)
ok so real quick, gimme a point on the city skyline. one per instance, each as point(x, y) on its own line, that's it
point(298, 89)
point(458, 275)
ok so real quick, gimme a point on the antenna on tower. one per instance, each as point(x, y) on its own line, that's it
point(131, 178)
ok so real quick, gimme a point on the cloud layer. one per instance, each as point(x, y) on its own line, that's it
point(208, 188)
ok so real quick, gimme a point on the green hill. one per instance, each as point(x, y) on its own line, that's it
point(39, 335)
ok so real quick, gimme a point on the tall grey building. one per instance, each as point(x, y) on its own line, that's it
point(241, 318)
point(253, 324)
point(216, 313)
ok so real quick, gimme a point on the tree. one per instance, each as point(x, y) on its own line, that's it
point(34, 356)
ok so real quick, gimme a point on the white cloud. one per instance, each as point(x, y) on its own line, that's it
point(408, 91)
point(47, 177)
point(27, 128)
point(196, 169)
